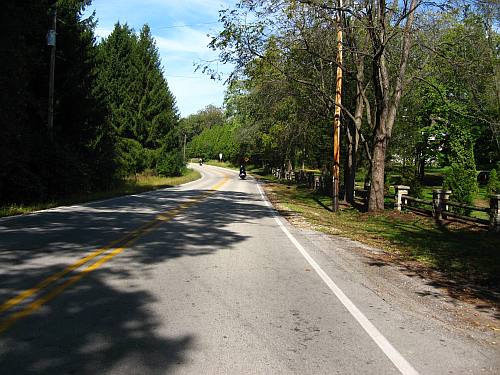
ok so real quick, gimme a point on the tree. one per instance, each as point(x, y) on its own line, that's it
point(157, 114)
point(141, 108)
point(205, 118)
point(493, 186)
point(385, 27)
point(80, 156)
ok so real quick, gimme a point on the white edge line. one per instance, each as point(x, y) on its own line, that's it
point(396, 358)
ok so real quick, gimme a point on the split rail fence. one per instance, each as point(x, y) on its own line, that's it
point(441, 207)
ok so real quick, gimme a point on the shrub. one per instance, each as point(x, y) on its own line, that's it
point(462, 182)
point(493, 186)
point(170, 164)
point(409, 178)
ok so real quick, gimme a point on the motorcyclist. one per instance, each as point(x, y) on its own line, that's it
point(200, 161)
point(243, 172)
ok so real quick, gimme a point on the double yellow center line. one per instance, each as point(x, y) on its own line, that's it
point(116, 248)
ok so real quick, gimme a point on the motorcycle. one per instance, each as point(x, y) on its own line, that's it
point(243, 175)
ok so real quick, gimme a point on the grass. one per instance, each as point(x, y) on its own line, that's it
point(133, 185)
point(462, 254)
point(224, 164)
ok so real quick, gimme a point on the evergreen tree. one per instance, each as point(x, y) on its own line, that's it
point(493, 186)
point(117, 79)
point(157, 114)
point(141, 107)
point(78, 157)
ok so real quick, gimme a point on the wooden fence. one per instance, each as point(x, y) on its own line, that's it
point(440, 207)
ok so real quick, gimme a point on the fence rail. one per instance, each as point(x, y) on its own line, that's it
point(439, 206)
point(467, 207)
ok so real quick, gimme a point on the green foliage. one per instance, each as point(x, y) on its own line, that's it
point(170, 164)
point(493, 186)
point(215, 140)
point(80, 154)
point(461, 178)
point(462, 183)
point(205, 118)
point(410, 178)
point(113, 109)
point(141, 108)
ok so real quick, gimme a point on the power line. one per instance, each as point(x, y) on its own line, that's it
point(185, 25)
point(176, 76)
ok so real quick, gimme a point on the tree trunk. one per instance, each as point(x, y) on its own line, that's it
point(376, 201)
point(349, 167)
point(387, 100)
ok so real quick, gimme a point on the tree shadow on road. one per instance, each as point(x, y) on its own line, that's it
point(95, 327)
point(92, 329)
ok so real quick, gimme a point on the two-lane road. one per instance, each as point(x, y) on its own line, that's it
point(203, 279)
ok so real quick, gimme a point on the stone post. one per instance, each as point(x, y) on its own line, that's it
point(440, 199)
point(445, 197)
point(437, 207)
point(367, 187)
point(400, 191)
point(495, 213)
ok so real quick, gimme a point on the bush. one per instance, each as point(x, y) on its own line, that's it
point(409, 178)
point(462, 182)
point(170, 164)
point(493, 186)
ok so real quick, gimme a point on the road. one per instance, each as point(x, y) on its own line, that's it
point(205, 278)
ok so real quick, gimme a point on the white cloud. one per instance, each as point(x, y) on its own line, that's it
point(187, 40)
point(193, 94)
point(179, 44)
point(103, 32)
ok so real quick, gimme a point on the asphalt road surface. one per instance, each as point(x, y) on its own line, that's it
point(205, 278)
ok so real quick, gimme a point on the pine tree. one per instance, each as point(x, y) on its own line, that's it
point(141, 107)
point(157, 114)
point(493, 186)
point(79, 157)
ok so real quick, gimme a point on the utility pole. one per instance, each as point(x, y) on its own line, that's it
point(184, 150)
point(338, 102)
point(51, 41)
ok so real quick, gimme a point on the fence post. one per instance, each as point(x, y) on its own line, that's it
point(445, 197)
point(495, 213)
point(437, 204)
point(440, 199)
point(400, 191)
point(367, 187)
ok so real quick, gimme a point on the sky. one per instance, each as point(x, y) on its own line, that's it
point(180, 28)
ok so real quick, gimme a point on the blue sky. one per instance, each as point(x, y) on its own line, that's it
point(180, 28)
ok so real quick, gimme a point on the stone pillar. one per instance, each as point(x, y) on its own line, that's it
point(367, 187)
point(400, 191)
point(436, 204)
point(440, 199)
point(495, 213)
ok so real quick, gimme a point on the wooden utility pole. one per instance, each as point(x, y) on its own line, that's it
point(338, 102)
point(51, 41)
point(184, 149)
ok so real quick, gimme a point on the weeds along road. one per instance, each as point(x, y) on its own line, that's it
point(206, 279)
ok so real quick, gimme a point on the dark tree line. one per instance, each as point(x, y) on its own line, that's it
point(114, 114)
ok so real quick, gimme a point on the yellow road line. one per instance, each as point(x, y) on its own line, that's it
point(53, 278)
point(35, 305)
point(130, 238)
